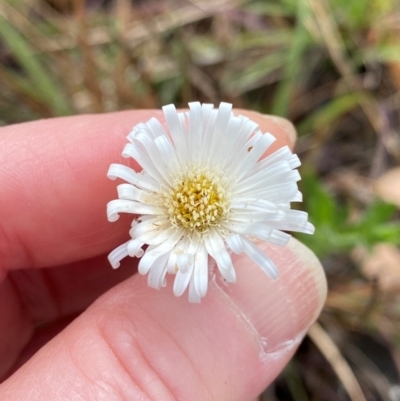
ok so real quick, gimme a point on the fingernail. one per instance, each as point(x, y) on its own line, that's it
point(280, 311)
point(286, 125)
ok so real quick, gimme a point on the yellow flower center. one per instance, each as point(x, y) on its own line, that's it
point(198, 200)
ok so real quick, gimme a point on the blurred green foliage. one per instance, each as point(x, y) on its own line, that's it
point(258, 54)
point(336, 232)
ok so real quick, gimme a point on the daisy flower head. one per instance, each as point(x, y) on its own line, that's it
point(204, 190)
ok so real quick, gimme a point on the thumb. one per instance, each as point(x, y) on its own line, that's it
point(138, 343)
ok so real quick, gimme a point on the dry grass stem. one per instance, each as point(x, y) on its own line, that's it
point(332, 353)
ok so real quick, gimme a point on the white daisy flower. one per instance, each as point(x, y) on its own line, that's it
point(204, 191)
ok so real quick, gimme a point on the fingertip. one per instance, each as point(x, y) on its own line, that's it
point(286, 125)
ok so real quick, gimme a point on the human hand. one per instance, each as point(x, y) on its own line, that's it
point(133, 342)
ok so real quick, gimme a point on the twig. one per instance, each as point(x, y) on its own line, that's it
point(333, 355)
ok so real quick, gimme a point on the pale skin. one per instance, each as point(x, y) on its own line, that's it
point(132, 342)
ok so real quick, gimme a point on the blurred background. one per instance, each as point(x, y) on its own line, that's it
point(331, 66)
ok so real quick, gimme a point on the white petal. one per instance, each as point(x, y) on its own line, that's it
point(294, 161)
point(228, 145)
point(156, 128)
point(309, 229)
point(168, 154)
point(278, 167)
point(254, 153)
point(298, 197)
point(156, 156)
point(306, 228)
point(260, 258)
point(209, 116)
point(156, 277)
point(151, 255)
point(259, 230)
point(235, 243)
point(144, 225)
point(254, 204)
point(152, 128)
point(257, 179)
point(208, 129)
point(182, 280)
point(117, 206)
point(186, 250)
point(224, 114)
point(176, 131)
point(246, 129)
point(200, 274)
point(218, 135)
point(138, 129)
point(130, 192)
point(244, 216)
point(283, 192)
point(118, 254)
point(293, 220)
point(236, 163)
point(129, 175)
point(182, 254)
point(172, 264)
point(150, 164)
point(158, 235)
point(216, 248)
point(297, 217)
point(283, 206)
point(194, 296)
point(282, 154)
point(135, 248)
point(183, 261)
point(195, 137)
point(279, 238)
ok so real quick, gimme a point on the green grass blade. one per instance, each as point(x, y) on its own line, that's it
point(45, 86)
point(332, 111)
point(299, 44)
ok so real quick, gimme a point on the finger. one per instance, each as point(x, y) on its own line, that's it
point(139, 343)
point(42, 335)
point(15, 327)
point(54, 186)
point(37, 296)
point(50, 293)
point(45, 295)
point(31, 297)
